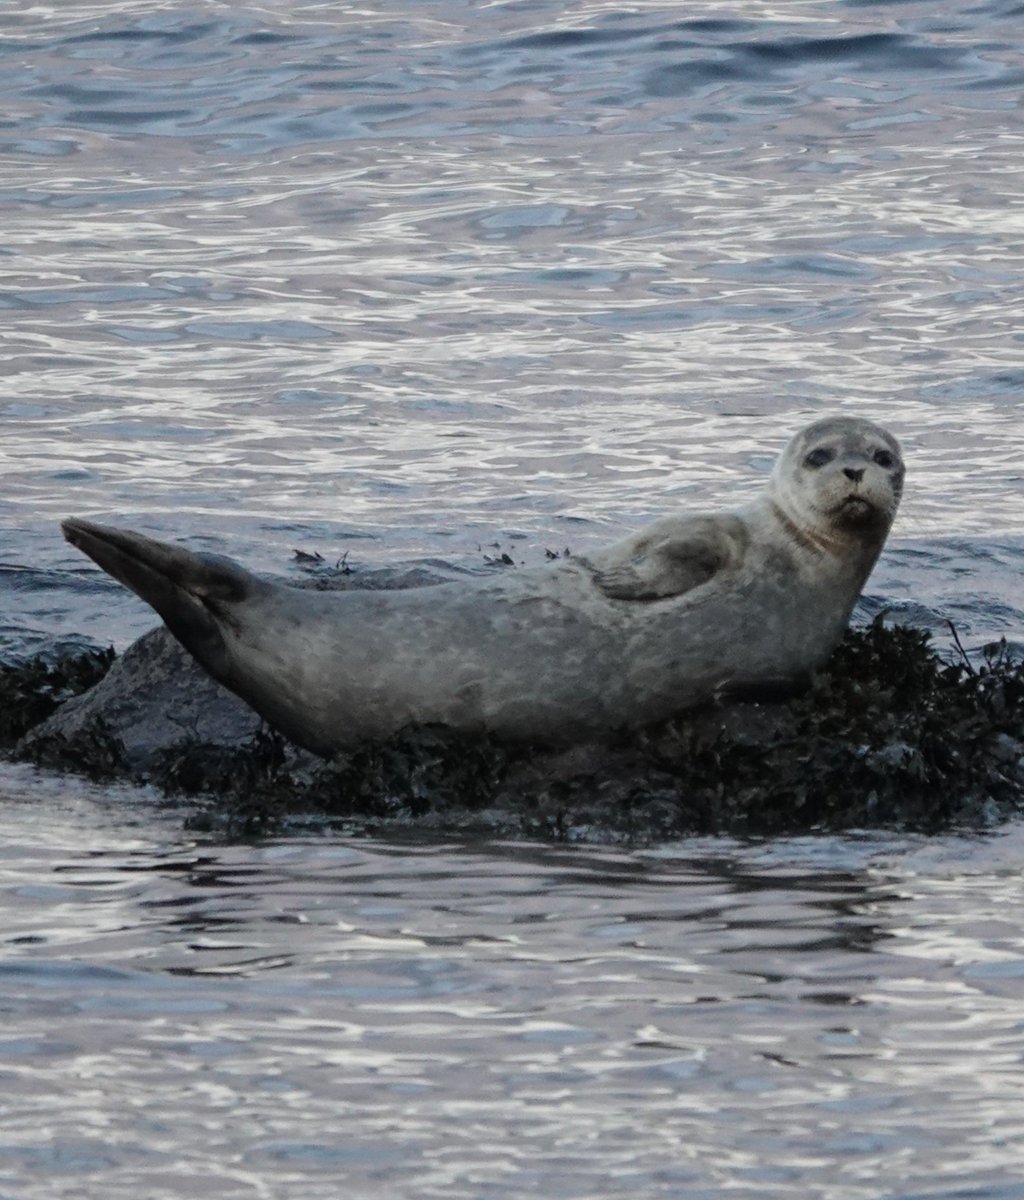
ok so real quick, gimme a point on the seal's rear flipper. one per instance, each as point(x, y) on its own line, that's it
point(193, 593)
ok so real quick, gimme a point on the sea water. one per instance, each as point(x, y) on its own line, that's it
point(421, 281)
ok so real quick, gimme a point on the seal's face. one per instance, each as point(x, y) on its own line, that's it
point(840, 477)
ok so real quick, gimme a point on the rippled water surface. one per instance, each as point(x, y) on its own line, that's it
point(407, 279)
point(404, 280)
point(322, 1017)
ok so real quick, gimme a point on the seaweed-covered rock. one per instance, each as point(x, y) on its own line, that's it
point(424, 775)
point(889, 734)
point(32, 690)
point(153, 697)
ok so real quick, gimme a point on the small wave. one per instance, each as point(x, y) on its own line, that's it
point(759, 59)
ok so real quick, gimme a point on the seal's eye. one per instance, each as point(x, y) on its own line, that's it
point(818, 458)
point(884, 459)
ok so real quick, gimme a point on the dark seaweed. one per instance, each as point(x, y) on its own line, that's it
point(30, 691)
point(93, 751)
point(888, 735)
point(422, 771)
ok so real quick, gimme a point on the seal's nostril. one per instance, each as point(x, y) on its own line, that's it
point(854, 473)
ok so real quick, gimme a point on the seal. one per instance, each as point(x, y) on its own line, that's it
point(690, 608)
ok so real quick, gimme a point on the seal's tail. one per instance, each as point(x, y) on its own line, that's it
point(192, 592)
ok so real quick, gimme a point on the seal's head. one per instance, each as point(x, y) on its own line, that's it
point(840, 480)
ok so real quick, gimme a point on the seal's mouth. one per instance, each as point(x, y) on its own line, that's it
point(856, 512)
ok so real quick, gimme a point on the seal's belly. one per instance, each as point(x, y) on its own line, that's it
point(533, 663)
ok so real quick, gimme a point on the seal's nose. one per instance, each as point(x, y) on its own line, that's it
point(854, 473)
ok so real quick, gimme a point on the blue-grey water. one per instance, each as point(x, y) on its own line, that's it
point(413, 280)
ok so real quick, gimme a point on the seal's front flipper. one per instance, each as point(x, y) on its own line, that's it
point(663, 570)
point(194, 593)
point(670, 559)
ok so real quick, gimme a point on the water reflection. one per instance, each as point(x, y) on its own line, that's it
point(406, 281)
point(393, 227)
point(452, 1017)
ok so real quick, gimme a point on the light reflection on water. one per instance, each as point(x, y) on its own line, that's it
point(507, 265)
point(406, 280)
point(837, 1018)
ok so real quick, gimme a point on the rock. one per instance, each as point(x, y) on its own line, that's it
point(888, 734)
point(31, 690)
point(153, 697)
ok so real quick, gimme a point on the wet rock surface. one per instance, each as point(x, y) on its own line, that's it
point(154, 696)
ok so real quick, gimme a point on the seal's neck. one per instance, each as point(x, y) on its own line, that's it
point(817, 541)
point(852, 553)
